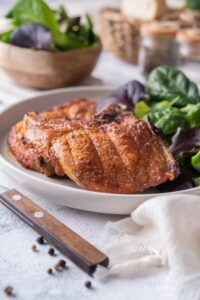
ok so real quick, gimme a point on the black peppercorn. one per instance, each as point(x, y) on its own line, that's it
point(88, 284)
point(51, 251)
point(50, 271)
point(40, 240)
point(62, 263)
point(8, 290)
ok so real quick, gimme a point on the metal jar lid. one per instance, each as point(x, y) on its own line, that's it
point(191, 18)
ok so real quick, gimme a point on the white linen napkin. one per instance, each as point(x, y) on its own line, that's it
point(164, 231)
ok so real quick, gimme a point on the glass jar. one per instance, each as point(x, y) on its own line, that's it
point(189, 44)
point(189, 49)
point(158, 46)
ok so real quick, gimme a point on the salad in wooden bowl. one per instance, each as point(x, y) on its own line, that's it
point(46, 48)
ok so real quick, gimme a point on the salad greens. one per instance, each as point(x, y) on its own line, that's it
point(6, 36)
point(168, 119)
point(61, 15)
point(192, 114)
point(173, 106)
point(162, 115)
point(169, 83)
point(32, 36)
point(127, 95)
point(173, 102)
point(195, 160)
point(185, 140)
point(193, 4)
point(141, 109)
point(65, 34)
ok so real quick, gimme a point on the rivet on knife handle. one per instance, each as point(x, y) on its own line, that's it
point(82, 253)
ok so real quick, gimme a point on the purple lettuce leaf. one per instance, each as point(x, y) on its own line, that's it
point(127, 95)
point(185, 140)
point(33, 36)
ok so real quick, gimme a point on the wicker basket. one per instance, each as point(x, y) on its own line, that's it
point(119, 35)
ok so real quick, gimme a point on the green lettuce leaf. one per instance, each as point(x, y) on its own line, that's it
point(195, 161)
point(169, 83)
point(37, 11)
point(141, 109)
point(192, 114)
point(168, 120)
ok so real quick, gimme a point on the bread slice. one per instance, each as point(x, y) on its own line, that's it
point(145, 10)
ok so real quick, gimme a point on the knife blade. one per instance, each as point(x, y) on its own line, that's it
point(69, 243)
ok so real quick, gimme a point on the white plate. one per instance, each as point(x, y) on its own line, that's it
point(63, 191)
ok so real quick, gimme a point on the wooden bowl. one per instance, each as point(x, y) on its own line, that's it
point(45, 69)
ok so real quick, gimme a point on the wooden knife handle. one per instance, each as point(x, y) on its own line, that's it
point(82, 253)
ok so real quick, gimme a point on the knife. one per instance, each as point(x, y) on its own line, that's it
point(69, 243)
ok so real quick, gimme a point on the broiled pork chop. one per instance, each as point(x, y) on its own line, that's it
point(112, 152)
point(29, 140)
point(115, 152)
point(81, 109)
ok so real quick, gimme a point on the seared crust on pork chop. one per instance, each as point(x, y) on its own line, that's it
point(29, 140)
point(115, 152)
point(111, 151)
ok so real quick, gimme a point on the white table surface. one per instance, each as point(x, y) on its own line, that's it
point(25, 270)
